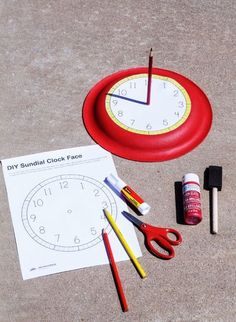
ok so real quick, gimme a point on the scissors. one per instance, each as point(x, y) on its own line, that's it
point(158, 235)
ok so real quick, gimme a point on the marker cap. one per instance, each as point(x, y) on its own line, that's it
point(116, 182)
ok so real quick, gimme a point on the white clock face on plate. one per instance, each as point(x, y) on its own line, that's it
point(169, 106)
point(61, 229)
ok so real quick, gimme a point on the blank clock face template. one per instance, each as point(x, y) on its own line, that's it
point(52, 216)
point(117, 116)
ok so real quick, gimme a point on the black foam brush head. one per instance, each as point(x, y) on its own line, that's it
point(215, 177)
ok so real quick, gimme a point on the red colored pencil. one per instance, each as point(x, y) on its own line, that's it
point(115, 272)
point(150, 62)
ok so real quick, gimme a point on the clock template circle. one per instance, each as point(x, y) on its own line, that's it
point(117, 117)
point(65, 212)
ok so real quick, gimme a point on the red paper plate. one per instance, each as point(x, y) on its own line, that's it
point(117, 117)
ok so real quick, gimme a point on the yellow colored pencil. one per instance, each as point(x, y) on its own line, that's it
point(125, 244)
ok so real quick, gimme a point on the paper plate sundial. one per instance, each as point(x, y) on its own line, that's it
point(147, 114)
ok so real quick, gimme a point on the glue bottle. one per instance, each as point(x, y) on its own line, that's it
point(128, 193)
point(191, 199)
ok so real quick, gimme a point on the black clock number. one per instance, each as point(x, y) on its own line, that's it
point(38, 203)
point(42, 230)
point(114, 102)
point(64, 184)
point(82, 185)
point(132, 85)
point(93, 231)
point(120, 113)
point(181, 104)
point(122, 92)
point(103, 217)
point(96, 193)
point(47, 191)
point(165, 122)
point(104, 205)
point(57, 237)
point(76, 240)
point(176, 92)
point(148, 126)
point(33, 217)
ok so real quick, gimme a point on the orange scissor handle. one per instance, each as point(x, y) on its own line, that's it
point(160, 237)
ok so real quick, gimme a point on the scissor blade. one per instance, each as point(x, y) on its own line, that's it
point(134, 220)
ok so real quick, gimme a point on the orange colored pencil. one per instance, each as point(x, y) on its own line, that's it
point(115, 272)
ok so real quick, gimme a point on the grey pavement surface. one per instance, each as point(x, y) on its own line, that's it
point(52, 53)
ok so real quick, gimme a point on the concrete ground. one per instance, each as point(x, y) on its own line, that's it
point(52, 53)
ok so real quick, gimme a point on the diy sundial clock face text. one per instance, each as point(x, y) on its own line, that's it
point(57, 200)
